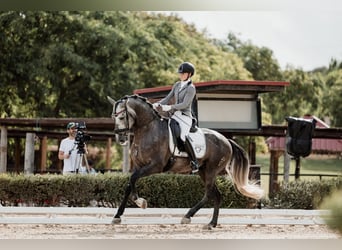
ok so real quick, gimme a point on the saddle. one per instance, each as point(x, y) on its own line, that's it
point(196, 138)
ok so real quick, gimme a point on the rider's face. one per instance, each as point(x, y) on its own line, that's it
point(184, 76)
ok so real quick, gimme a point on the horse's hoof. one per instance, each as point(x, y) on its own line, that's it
point(116, 221)
point(208, 227)
point(141, 202)
point(185, 220)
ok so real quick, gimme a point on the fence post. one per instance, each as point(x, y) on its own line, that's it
point(287, 161)
point(126, 159)
point(108, 154)
point(43, 156)
point(29, 154)
point(3, 150)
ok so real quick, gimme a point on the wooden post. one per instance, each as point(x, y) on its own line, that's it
point(3, 150)
point(29, 154)
point(43, 156)
point(252, 151)
point(274, 165)
point(17, 155)
point(59, 162)
point(108, 153)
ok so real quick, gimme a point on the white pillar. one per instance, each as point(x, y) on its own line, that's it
point(29, 154)
point(125, 154)
point(3, 150)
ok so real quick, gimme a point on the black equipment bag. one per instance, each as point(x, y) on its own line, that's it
point(299, 136)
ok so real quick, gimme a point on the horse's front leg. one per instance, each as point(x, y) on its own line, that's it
point(140, 202)
point(130, 191)
point(121, 209)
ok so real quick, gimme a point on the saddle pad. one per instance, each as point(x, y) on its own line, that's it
point(197, 140)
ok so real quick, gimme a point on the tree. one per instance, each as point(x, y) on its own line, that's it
point(260, 61)
point(64, 64)
point(332, 97)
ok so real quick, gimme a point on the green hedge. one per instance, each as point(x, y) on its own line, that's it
point(303, 194)
point(161, 190)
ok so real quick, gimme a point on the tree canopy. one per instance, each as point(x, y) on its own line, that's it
point(65, 63)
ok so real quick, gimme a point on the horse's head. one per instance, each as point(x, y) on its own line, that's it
point(121, 119)
point(130, 111)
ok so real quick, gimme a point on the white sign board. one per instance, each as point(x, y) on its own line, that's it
point(229, 113)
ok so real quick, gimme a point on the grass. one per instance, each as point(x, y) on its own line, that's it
point(313, 164)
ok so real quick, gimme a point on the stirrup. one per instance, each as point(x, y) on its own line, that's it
point(194, 166)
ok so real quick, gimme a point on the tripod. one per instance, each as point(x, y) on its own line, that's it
point(80, 157)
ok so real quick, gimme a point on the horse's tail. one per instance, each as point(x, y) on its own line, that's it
point(238, 169)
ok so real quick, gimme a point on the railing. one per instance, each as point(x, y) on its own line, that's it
point(158, 216)
point(316, 175)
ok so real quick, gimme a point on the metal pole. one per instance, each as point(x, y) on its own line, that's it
point(297, 171)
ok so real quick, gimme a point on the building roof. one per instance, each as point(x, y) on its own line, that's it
point(220, 86)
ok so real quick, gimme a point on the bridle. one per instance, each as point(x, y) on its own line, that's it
point(116, 114)
point(127, 128)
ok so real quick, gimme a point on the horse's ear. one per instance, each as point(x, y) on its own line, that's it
point(111, 100)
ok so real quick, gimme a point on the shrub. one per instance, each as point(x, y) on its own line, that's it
point(303, 194)
point(333, 203)
point(160, 190)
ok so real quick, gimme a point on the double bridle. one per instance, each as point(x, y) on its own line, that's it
point(116, 114)
point(124, 110)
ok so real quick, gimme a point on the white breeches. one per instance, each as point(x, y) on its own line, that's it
point(185, 123)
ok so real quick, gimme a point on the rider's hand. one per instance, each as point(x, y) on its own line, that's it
point(166, 107)
point(155, 105)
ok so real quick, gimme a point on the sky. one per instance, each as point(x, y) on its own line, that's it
point(304, 39)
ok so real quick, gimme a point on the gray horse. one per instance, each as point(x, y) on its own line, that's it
point(150, 154)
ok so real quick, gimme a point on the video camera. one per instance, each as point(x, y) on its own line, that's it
point(81, 137)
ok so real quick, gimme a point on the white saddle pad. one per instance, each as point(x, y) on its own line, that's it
point(197, 141)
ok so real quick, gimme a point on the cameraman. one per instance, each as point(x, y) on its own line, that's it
point(68, 151)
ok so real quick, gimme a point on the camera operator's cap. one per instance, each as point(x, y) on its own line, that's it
point(71, 125)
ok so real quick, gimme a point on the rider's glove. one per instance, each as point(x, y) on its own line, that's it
point(155, 105)
point(166, 107)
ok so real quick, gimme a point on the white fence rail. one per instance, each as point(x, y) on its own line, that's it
point(157, 216)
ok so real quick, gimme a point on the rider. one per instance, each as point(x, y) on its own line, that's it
point(183, 93)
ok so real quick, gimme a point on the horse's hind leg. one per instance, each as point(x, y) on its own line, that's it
point(211, 193)
point(187, 218)
point(216, 196)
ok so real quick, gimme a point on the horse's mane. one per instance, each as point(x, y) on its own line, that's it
point(145, 100)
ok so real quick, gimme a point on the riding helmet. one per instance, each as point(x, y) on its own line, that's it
point(186, 67)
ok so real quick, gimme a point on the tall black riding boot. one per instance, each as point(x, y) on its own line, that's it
point(192, 156)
